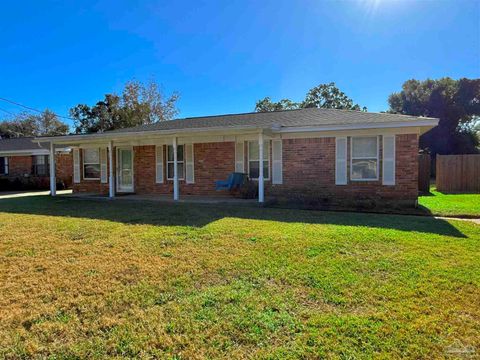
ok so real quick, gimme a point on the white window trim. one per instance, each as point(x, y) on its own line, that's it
point(268, 160)
point(180, 176)
point(85, 163)
point(364, 158)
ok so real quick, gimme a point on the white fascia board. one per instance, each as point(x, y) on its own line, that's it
point(394, 124)
point(142, 134)
point(24, 152)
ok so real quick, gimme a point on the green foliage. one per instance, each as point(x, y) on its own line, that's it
point(25, 124)
point(266, 105)
point(326, 96)
point(437, 203)
point(455, 102)
point(138, 104)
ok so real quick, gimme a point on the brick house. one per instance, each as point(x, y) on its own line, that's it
point(332, 156)
point(25, 164)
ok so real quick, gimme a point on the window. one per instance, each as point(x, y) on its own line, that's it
point(40, 165)
point(254, 159)
point(4, 165)
point(91, 164)
point(364, 158)
point(180, 162)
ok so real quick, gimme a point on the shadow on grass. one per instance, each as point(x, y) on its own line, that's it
point(196, 215)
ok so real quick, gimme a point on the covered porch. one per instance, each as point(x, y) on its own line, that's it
point(175, 167)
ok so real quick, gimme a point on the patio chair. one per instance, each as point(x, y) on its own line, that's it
point(234, 180)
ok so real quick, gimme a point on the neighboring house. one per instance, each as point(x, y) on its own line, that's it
point(25, 163)
point(333, 156)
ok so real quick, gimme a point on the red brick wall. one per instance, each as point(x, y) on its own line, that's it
point(64, 168)
point(21, 167)
point(309, 168)
point(212, 161)
point(18, 166)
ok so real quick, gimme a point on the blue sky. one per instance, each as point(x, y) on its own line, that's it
point(224, 55)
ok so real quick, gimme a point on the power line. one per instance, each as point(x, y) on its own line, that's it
point(32, 109)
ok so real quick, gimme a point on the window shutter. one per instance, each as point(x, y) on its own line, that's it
point(277, 166)
point(103, 166)
point(189, 170)
point(6, 165)
point(341, 161)
point(239, 157)
point(389, 160)
point(76, 165)
point(159, 164)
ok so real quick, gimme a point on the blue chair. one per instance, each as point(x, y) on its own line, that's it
point(234, 180)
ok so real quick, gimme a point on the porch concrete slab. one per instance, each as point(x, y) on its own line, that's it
point(18, 194)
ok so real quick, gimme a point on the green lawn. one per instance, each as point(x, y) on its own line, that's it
point(467, 205)
point(100, 279)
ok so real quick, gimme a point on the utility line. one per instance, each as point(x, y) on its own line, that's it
point(32, 109)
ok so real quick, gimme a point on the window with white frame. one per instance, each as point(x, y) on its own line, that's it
point(91, 164)
point(364, 158)
point(3, 165)
point(254, 160)
point(40, 165)
point(180, 162)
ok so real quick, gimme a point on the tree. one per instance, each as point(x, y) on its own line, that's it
point(266, 105)
point(455, 102)
point(326, 96)
point(138, 104)
point(25, 124)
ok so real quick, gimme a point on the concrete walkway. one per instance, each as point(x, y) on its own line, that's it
point(18, 194)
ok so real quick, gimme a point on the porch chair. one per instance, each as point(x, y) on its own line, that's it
point(234, 180)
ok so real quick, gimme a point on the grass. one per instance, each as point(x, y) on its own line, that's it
point(93, 279)
point(462, 205)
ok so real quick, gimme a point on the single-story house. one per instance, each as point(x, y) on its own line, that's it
point(331, 155)
point(24, 163)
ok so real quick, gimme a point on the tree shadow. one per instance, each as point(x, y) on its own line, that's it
point(199, 215)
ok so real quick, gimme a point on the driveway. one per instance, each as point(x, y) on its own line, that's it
point(17, 194)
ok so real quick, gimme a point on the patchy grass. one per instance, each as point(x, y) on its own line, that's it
point(462, 205)
point(93, 279)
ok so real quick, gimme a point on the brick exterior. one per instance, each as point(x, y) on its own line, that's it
point(20, 167)
point(308, 172)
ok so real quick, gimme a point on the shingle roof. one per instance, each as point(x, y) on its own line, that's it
point(19, 144)
point(287, 118)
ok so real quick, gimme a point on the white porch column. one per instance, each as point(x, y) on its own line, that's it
point(111, 177)
point(53, 179)
point(175, 170)
point(260, 169)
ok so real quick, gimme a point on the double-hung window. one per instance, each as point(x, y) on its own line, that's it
point(254, 160)
point(3, 165)
point(180, 162)
point(40, 165)
point(91, 164)
point(364, 158)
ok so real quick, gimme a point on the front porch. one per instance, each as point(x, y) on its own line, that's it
point(173, 168)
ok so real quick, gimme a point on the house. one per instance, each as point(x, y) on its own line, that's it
point(25, 164)
point(335, 156)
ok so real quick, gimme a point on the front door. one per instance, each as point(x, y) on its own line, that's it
point(124, 170)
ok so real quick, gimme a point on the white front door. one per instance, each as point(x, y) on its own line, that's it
point(124, 170)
